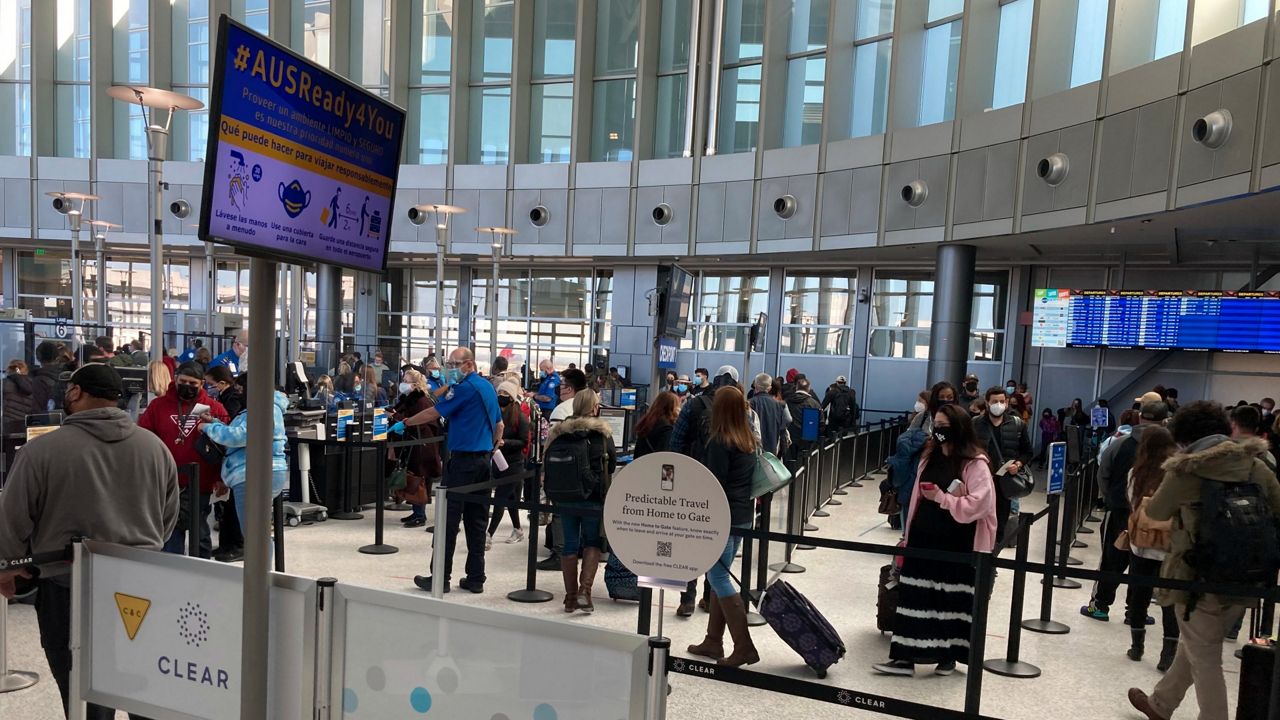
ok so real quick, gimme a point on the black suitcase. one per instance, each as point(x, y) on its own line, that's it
point(801, 626)
point(886, 598)
point(1256, 664)
point(619, 581)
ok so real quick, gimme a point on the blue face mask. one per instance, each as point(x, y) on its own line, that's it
point(453, 376)
point(435, 374)
point(682, 388)
point(1009, 389)
point(543, 373)
point(697, 380)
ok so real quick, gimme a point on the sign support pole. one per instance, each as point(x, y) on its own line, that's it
point(257, 570)
point(659, 650)
point(11, 680)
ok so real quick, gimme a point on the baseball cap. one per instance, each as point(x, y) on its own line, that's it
point(1149, 397)
point(841, 380)
point(969, 377)
point(1155, 411)
point(729, 370)
point(99, 380)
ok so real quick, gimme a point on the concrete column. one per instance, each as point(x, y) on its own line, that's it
point(952, 313)
point(328, 315)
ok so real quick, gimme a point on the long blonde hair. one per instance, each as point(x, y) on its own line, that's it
point(158, 377)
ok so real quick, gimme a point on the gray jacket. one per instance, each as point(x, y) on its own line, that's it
point(98, 476)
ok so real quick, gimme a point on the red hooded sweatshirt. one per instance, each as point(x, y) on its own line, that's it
point(172, 422)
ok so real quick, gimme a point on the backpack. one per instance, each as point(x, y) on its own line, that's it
point(1237, 540)
point(567, 472)
point(701, 427)
point(842, 403)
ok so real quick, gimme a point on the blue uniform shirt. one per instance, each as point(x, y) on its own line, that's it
point(471, 407)
point(550, 387)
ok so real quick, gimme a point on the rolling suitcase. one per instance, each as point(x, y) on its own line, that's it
point(801, 626)
point(1256, 664)
point(886, 598)
point(619, 581)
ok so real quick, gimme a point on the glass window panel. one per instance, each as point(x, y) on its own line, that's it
point(434, 46)
point(673, 45)
point(899, 343)
point(491, 50)
point(129, 35)
point(198, 124)
point(809, 25)
point(870, 88)
point(73, 126)
point(617, 26)
point(821, 300)
point(315, 27)
point(1013, 50)
point(491, 117)
point(1217, 17)
point(613, 120)
point(732, 299)
point(739, 109)
point(802, 118)
point(941, 62)
point(814, 340)
point(669, 125)
point(559, 297)
point(15, 77)
point(1090, 40)
point(986, 346)
point(554, 25)
point(939, 9)
point(905, 300)
point(551, 122)
point(743, 30)
point(432, 107)
point(257, 15)
point(875, 17)
point(370, 38)
point(1171, 28)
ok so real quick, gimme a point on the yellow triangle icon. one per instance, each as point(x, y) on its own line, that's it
point(133, 610)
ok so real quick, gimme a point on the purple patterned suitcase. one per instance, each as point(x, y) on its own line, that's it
point(801, 626)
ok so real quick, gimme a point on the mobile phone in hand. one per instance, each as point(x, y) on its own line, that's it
point(928, 486)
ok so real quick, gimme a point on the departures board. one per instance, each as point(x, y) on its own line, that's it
point(1157, 319)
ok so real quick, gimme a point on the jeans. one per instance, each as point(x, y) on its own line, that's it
point(466, 469)
point(53, 613)
point(418, 511)
point(177, 543)
point(1199, 660)
point(581, 530)
point(718, 575)
point(1113, 560)
point(237, 495)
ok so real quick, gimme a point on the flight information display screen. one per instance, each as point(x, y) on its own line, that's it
point(1157, 319)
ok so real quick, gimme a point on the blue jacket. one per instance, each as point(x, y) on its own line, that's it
point(234, 438)
point(550, 386)
point(228, 358)
point(905, 460)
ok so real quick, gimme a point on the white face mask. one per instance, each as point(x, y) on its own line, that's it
point(997, 409)
point(405, 388)
point(919, 406)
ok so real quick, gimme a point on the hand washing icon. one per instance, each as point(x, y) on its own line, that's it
point(294, 198)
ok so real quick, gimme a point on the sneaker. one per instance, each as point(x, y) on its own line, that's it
point(551, 563)
point(517, 535)
point(415, 522)
point(474, 586)
point(488, 545)
point(1150, 620)
point(424, 583)
point(945, 668)
point(408, 519)
point(1095, 612)
point(229, 555)
point(895, 667)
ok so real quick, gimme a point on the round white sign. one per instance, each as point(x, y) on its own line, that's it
point(667, 518)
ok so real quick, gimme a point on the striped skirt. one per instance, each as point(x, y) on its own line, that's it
point(935, 612)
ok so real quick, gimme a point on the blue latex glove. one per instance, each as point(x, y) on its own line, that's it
point(398, 428)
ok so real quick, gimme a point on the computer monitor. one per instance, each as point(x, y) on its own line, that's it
point(619, 420)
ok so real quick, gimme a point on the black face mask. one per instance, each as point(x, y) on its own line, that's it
point(504, 401)
point(188, 392)
point(943, 435)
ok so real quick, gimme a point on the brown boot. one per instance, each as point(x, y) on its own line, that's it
point(735, 618)
point(590, 563)
point(713, 644)
point(569, 568)
point(1142, 703)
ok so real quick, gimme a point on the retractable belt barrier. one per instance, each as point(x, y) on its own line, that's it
point(41, 565)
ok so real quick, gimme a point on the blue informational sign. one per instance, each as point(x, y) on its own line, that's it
point(301, 164)
point(627, 398)
point(1057, 467)
point(809, 430)
point(667, 349)
point(1099, 417)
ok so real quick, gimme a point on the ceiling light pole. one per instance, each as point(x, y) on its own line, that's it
point(442, 214)
point(497, 241)
point(100, 230)
point(75, 216)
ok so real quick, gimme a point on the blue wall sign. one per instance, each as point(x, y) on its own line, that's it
point(1057, 466)
point(667, 350)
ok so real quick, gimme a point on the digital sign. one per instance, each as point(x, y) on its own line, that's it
point(1157, 319)
point(301, 164)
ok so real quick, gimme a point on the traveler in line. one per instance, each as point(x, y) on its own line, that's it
point(221, 386)
point(1209, 456)
point(1048, 435)
point(1113, 470)
point(1246, 421)
point(435, 379)
point(953, 509)
point(773, 415)
point(1148, 545)
point(579, 463)
point(378, 366)
point(234, 358)
point(324, 391)
point(730, 456)
point(373, 394)
point(234, 436)
point(98, 476)
point(345, 381)
point(423, 462)
point(498, 371)
point(969, 390)
point(548, 394)
point(906, 455)
point(784, 437)
point(691, 433)
point(653, 434)
point(701, 381)
point(159, 378)
point(1005, 441)
point(801, 399)
point(109, 356)
point(515, 442)
point(171, 418)
point(571, 382)
point(204, 358)
point(23, 396)
point(470, 406)
point(841, 405)
point(54, 360)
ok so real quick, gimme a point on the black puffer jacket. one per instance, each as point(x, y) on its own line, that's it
point(20, 400)
point(603, 456)
point(734, 469)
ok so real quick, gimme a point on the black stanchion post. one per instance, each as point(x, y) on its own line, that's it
point(646, 611)
point(983, 577)
point(1068, 535)
point(806, 507)
point(762, 563)
point(787, 566)
point(748, 601)
point(1093, 491)
point(277, 525)
point(1012, 665)
point(530, 592)
point(1082, 509)
point(379, 512)
point(1045, 623)
point(837, 469)
point(826, 457)
point(814, 463)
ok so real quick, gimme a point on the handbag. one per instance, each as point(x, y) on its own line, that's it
point(889, 504)
point(1145, 533)
point(210, 451)
point(770, 474)
point(1122, 541)
point(1013, 486)
point(415, 491)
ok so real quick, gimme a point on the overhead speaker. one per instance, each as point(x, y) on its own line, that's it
point(662, 214)
point(1053, 169)
point(1212, 130)
point(539, 215)
point(915, 193)
point(785, 206)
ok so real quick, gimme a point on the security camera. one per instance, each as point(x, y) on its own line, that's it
point(915, 192)
point(539, 215)
point(416, 216)
point(1212, 130)
point(785, 206)
point(180, 208)
point(61, 204)
point(662, 214)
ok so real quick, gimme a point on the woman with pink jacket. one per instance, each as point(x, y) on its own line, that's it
point(953, 508)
